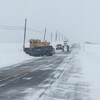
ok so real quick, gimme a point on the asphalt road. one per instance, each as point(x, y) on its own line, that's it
point(17, 78)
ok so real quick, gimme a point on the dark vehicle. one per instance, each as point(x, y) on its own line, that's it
point(38, 48)
point(40, 51)
point(59, 47)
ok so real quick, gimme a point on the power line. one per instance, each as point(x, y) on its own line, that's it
point(10, 27)
point(18, 28)
point(30, 29)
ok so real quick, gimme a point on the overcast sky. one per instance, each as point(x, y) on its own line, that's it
point(78, 20)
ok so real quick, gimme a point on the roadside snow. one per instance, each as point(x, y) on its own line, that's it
point(90, 59)
point(12, 54)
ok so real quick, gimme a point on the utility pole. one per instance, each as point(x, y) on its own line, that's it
point(59, 36)
point(45, 34)
point(24, 34)
point(56, 35)
point(51, 36)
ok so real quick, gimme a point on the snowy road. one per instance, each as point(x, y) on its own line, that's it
point(49, 78)
point(28, 75)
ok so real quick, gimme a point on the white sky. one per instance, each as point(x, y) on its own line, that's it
point(79, 20)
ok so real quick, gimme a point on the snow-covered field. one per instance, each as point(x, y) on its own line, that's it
point(90, 62)
point(12, 53)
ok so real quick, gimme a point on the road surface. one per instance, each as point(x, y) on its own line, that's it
point(15, 79)
point(47, 78)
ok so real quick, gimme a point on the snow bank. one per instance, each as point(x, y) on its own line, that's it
point(90, 59)
point(12, 54)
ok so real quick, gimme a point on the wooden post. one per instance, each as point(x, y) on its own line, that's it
point(51, 36)
point(24, 34)
point(44, 34)
point(59, 36)
point(56, 35)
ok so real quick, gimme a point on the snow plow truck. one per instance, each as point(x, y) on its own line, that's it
point(38, 48)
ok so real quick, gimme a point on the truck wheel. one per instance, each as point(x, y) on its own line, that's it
point(48, 53)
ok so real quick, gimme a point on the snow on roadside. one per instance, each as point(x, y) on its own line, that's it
point(12, 53)
point(90, 62)
point(71, 85)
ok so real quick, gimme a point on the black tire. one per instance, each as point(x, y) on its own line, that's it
point(48, 53)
